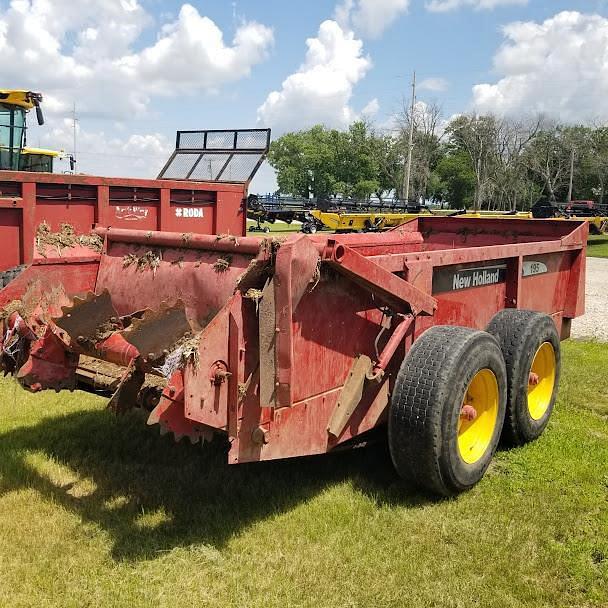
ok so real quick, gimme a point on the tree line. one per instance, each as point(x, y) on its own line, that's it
point(473, 161)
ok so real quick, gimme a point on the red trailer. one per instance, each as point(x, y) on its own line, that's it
point(202, 189)
point(443, 333)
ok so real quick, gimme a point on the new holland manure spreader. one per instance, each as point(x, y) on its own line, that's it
point(443, 333)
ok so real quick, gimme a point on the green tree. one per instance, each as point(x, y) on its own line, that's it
point(305, 162)
point(326, 162)
point(455, 179)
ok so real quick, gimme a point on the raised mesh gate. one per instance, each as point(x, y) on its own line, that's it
point(217, 155)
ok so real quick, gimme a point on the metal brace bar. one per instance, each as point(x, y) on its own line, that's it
point(396, 292)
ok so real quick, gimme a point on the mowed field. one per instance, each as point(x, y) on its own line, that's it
point(597, 246)
point(102, 511)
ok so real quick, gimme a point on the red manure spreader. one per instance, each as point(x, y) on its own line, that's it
point(443, 333)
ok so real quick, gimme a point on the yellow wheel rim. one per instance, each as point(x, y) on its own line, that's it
point(475, 436)
point(539, 395)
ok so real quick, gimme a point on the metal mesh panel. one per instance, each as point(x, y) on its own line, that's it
point(240, 167)
point(180, 166)
point(247, 140)
point(220, 140)
point(209, 167)
point(193, 140)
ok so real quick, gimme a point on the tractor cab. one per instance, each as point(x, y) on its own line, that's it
point(37, 159)
point(14, 106)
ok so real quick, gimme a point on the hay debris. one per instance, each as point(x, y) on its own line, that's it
point(222, 263)
point(129, 260)
point(10, 308)
point(316, 276)
point(188, 345)
point(65, 238)
point(271, 245)
point(253, 294)
point(228, 237)
point(148, 261)
point(187, 237)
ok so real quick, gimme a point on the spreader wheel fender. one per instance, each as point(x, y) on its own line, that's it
point(531, 348)
point(447, 409)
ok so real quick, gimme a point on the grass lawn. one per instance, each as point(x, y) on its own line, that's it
point(100, 511)
point(597, 246)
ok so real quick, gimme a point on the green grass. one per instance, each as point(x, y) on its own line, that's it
point(102, 511)
point(597, 246)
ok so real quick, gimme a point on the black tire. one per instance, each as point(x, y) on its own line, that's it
point(425, 410)
point(520, 334)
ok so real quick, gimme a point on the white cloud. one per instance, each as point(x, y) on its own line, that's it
point(86, 51)
point(558, 68)
point(435, 85)
point(442, 6)
point(92, 52)
point(134, 155)
point(369, 17)
point(191, 54)
point(321, 89)
point(371, 108)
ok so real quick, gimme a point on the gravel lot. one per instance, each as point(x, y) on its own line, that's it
point(594, 324)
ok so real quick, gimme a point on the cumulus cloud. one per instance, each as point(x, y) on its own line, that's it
point(435, 85)
point(371, 108)
point(131, 155)
point(94, 52)
point(441, 6)
point(369, 18)
point(89, 51)
point(321, 89)
point(558, 68)
point(191, 54)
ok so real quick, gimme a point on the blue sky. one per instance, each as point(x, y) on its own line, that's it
point(458, 45)
point(139, 70)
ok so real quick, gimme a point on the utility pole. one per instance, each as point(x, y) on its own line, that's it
point(571, 174)
point(410, 145)
point(74, 128)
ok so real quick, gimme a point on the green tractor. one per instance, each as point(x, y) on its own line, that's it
point(14, 154)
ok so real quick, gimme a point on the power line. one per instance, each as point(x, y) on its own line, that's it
point(410, 144)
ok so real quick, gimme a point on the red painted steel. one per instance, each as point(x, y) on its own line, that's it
point(314, 318)
point(396, 339)
point(84, 201)
point(10, 244)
